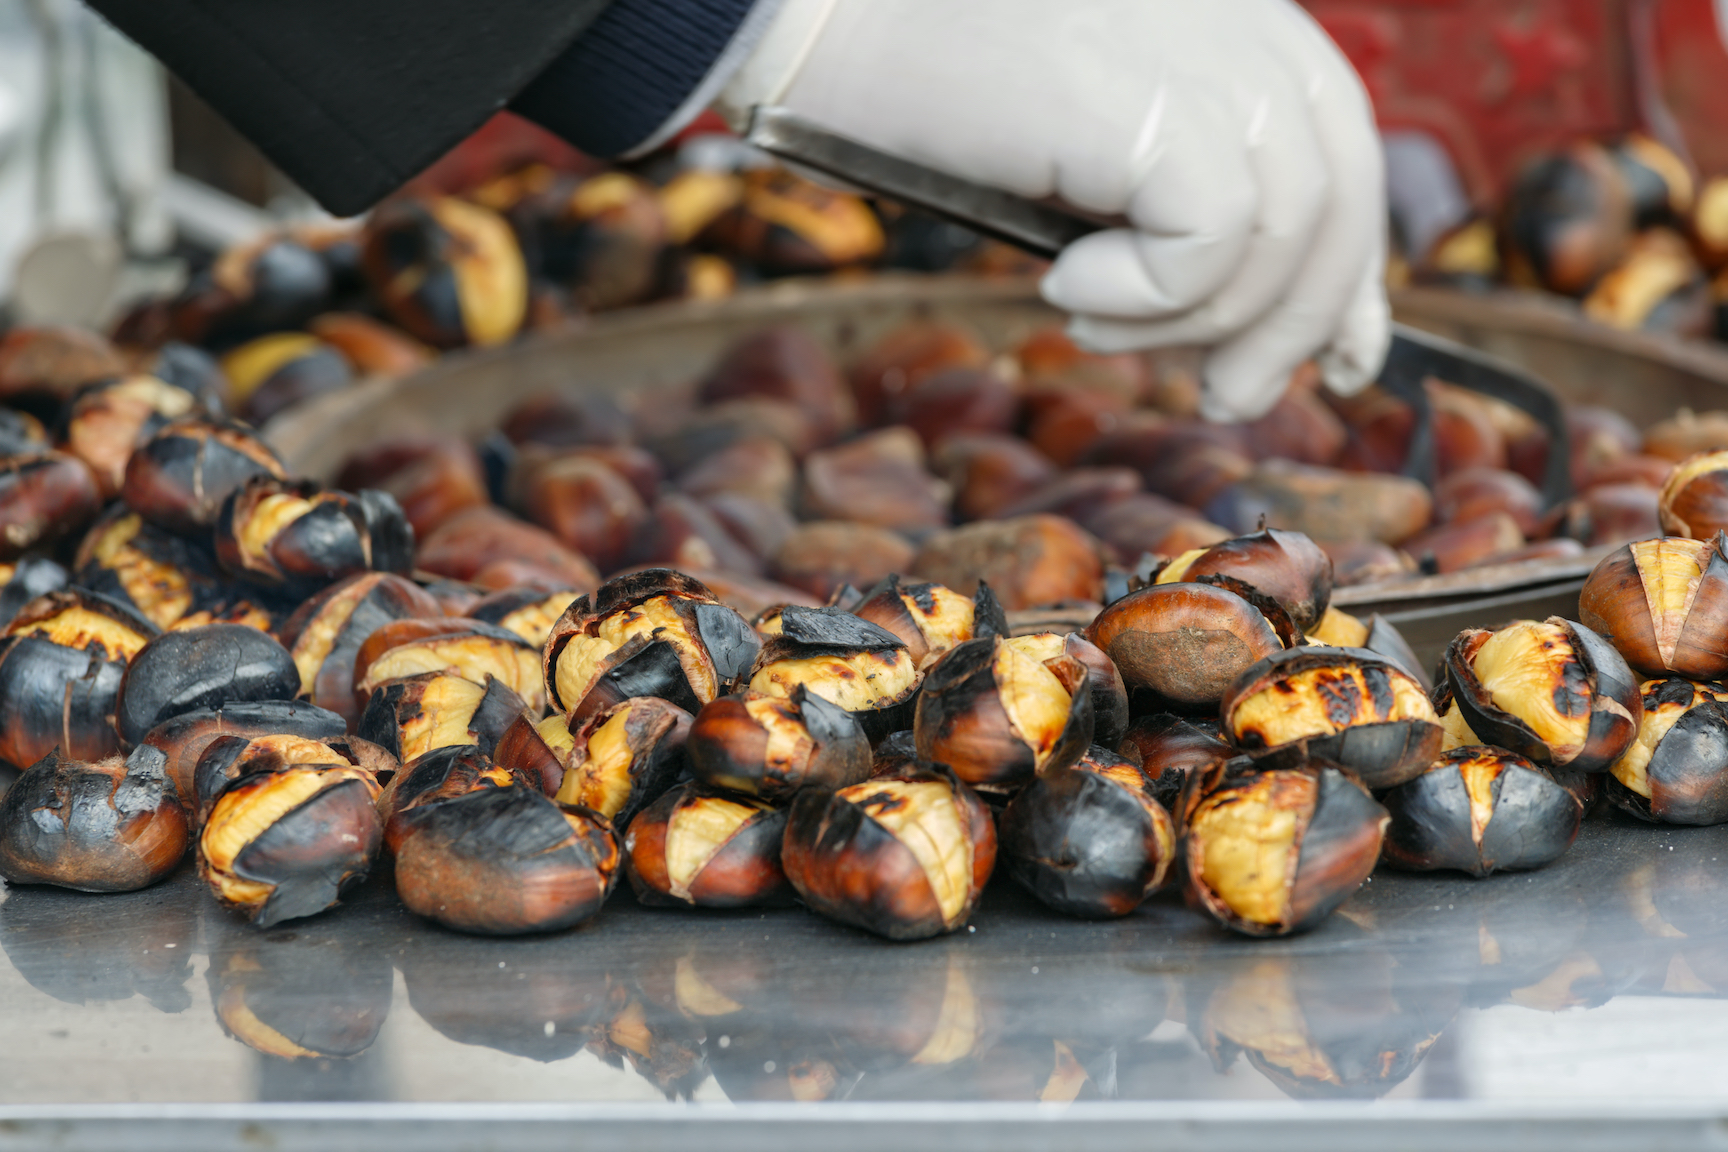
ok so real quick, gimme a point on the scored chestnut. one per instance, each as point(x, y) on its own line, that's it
point(1480, 810)
point(1663, 605)
point(529, 610)
point(1676, 770)
point(163, 577)
point(107, 420)
point(1183, 643)
point(905, 857)
point(202, 667)
point(111, 826)
point(651, 633)
point(449, 271)
point(771, 746)
point(852, 663)
point(507, 861)
point(411, 716)
point(325, 633)
point(184, 738)
point(1272, 851)
point(459, 647)
point(298, 537)
point(441, 774)
point(998, 716)
point(1694, 501)
point(1109, 694)
point(228, 758)
point(1347, 705)
point(1552, 691)
point(929, 618)
point(180, 477)
point(1287, 568)
point(699, 849)
point(286, 844)
point(624, 757)
point(1090, 841)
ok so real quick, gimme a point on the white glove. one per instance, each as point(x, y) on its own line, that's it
point(1231, 134)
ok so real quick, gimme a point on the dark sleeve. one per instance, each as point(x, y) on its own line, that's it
point(352, 98)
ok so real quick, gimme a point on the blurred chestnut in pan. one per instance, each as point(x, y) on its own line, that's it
point(298, 537)
point(1109, 696)
point(203, 667)
point(412, 716)
point(1325, 503)
point(998, 716)
point(465, 648)
point(783, 364)
point(1081, 492)
point(1272, 851)
point(529, 610)
point(771, 746)
point(1186, 643)
point(441, 774)
point(651, 633)
point(757, 466)
point(929, 618)
point(603, 240)
point(1091, 840)
point(325, 633)
point(507, 861)
point(281, 369)
point(989, 471)
point(21, 434)
point(1480, 810)
point(907, 354)
point(62, 662)
point(180, 477)
point(42, 366)
point(624, 757)
point(1676, 770)
point(110, 826)
point(698, 849)
point(681, 532)
point(286, 844)
point(585, 504)
point(1694, 501)
point(905, 857)
point(821, 556)
point(107, 421)
point(1663, 605)
point(1028, 561)
point(1552, 691)
point(447, 270)
point(1345, 705)
point(878, 479)
point(490, 547)
point(1285, 567)
point(184, 738)
point(372, 347)
point(1609, 514)
point(43, 496)
point(1366, 562)
point(1466, 544)
point(852, 663)
point(1568, 218)
point(1473, 492)
point(1167, 749)
point(959, 400)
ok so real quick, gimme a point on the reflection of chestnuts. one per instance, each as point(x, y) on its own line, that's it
point(1663, 604)
point(298, 537)
point(1480, 810)
point(181, 476)
point(905, 857)
point(1184, 642)
point(849, 662)
point(184, 738)
point(1346, 705)
point(505, 861)
point(1676, 770)
point(325, 633)
point(111, 826)
point(1272, 851)
point(441, 774)
point(1553, 691)
point(771, 746)
point(412, 716)
point(203, 667)
point(624, 757)
point(465, 648)
point(1287, 568)
point(1090, 841)
point(699, 849)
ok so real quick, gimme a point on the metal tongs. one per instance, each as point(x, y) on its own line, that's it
point(1044, 229)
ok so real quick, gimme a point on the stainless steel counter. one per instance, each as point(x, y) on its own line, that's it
point(1584, 1006)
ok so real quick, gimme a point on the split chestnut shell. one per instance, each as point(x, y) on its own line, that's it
point(184, 738)
point(1663, 604)
point(325, 633)
point(180, 477)
point(849, 662)
point(697, 848)
point(771, 746)
point(297, 537)
point(453, 646)
point(1183, 643)
point(1480, 810)
point(440, 775)
point(1287, 568)
point(412, 716)
point(624, 757)
point(928, 618)
point(1676, 770)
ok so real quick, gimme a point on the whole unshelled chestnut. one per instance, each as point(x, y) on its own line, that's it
point(1287, 568)
point(203, 667)
point(1480, 810)
point(699, 849)
point(1663, 604)
point(1027, 561)
point(771, 746)
point(1187, 643)
point(1676, 770)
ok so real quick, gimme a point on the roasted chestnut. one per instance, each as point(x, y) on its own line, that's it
point(62, 661)
point(1287, 568)
point(163, 577)
point(43, 496)
point(184, 738)
point(1345, 704)
point(1663, 605)
point(1694, 501)
point(431, 477)
point(1185, 643)
point(111, 826)
point(325, 633)
point(442, 774)
point(24, 581)
point(878, 479)
point(412, 716)
point(1109, 694)
point(699, 849)
point(529, 610)
point(1553, 691)
point(203, 667)
point(905, 857)
point(449, 271)
point(458, 647)
point(298, 537)
point(1090, 840)
point(849, 662)
point(489, 547)
point(285, 844)
point(652, 633)
point(1167, 749)
point(587, 505)
point(1272, 851)
point(1325, 503)
point(905, 356)
point(230, 757)
point(783, 364)
point(1480, 810)
point(181, 476)
point(107, 421)
point(998, 716)
point(281, 369)
point(505, 861)
point(1027, 561)
point(771, 746)
point(929, 618)
point(1676, 770)
point(624, 757)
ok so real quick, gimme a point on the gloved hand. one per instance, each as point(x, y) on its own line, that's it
point(1232, 136)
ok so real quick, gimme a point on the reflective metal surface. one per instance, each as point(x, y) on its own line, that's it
point(1594, 987)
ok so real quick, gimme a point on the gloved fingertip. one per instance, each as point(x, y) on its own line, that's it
point(1241, 388)
point(1356, 355)
point(1108, 337)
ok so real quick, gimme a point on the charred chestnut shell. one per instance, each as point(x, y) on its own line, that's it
point(1285, 567)
point(1090, 841)
point(411, 716)
point(286, 844)
point(1183, 643)
point(771, 746)
point(184, 738)
point(441, 774)
point(624, 757)
point(1553, 691)
point(651, 633)
point(62, 662)
point(163, 577)
point(180, 477)
point(24, 581)
point(507, 861)
point(1663, 605)
point(1272, 851)
point(1480, 810)
point(849, 662)
point(298, 537)
point(998, 716)
point(1676, 770)
point(325, 633)
point(699, 849)
point(112, 826)
point(459, 647)
point(229, 758)
point(204, 667)
point(107, 420)
point(1346, 704)
point(1168, 748)
point(529, 610)
point(905, 857)
point(449, 271)
point(43, 496)
point(927, 618)
point(1694, 499)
